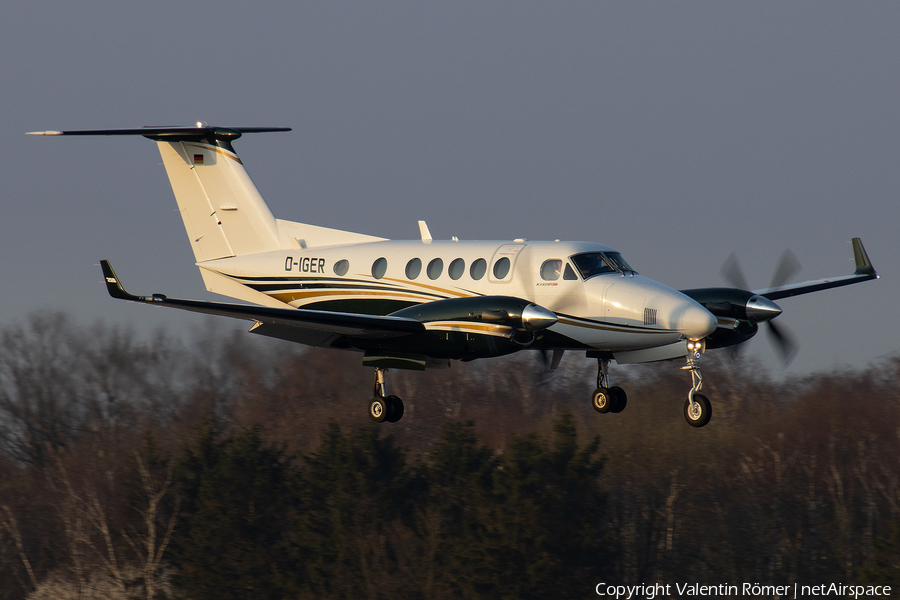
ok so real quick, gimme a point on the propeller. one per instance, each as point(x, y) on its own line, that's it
point(761, 309)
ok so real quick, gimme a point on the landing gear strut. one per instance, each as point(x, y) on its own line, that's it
point(384, 408)
point(697, 409)
point(607, 399)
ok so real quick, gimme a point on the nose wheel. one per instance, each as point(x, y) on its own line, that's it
point(384, 408)
point(697, 408)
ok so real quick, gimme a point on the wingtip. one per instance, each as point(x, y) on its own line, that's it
point(861, 258)
point(113, 286)
point(43, 133)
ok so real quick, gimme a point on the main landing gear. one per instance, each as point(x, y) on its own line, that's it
point(384, 408)
point(607, 399)
point(697, 409)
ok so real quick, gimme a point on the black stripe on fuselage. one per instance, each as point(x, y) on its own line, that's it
point(598, 324)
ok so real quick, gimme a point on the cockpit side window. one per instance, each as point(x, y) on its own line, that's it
point(569, 273)
point(590, 264)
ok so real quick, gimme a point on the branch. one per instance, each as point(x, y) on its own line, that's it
point(13, 528)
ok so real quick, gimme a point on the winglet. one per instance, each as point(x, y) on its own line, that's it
point(113, 286)
point(863, 264)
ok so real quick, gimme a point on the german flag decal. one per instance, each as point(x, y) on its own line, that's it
point(198, 159)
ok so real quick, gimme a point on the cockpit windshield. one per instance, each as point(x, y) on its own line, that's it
point(618, 262)
point(597, 263)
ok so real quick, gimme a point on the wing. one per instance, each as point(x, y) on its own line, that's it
point(864, 272)
point(314, 327)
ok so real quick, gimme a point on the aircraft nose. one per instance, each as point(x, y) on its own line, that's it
point(697, 322)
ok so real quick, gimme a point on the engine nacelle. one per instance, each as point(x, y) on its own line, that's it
point(736, 304)
point(498, 310)
point(461, 329)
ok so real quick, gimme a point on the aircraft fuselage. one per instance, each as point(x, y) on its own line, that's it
point(613, 311)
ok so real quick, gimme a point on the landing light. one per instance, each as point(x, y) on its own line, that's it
point(696, 347)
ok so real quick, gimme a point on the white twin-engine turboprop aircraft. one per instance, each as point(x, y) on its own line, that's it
point(422, 303)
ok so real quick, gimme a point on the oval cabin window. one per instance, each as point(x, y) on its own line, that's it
point(501, 268)
point(379, 268)
point(435, 268)
point(413, 268)
point(456, 269)
point(478, 269)
point(341, 267)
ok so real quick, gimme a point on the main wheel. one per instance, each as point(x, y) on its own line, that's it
point(700, 413)
point(619, 399)
point(601, 400)
point(379, 408)
point(395, 409)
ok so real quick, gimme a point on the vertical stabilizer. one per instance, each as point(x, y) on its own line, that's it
point(223, 212)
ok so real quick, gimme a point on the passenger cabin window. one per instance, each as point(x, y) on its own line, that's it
point(413, 268)
point(456, 269)
point(435, 268)
point(478, 269)
point(341, 267)
point(598, 263)
point(501, 268)
point(551, 269)
point(379, 268)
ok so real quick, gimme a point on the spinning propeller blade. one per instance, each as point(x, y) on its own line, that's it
point(782, 340)
point(732, 273)
point(788, 266)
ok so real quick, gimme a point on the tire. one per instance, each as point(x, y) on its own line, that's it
point(702, 413)
point(395, 409)
point(620, 399)
point(378, 409)
point(601, 400)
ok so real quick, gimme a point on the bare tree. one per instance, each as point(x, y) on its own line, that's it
point(148, 545)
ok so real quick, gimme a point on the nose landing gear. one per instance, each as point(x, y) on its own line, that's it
point(384, 408)
point(607, 399)
point(697, 408)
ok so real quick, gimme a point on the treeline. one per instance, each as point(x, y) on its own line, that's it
point(229, 466)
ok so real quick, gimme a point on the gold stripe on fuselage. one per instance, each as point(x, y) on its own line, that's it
point(469, 327)
point(404, 292)
point(609, 326)
point(434, 288)
point(288, 297)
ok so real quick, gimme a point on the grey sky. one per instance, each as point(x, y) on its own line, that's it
point(676, 132)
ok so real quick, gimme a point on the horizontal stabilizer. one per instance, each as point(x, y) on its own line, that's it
point(173, 134)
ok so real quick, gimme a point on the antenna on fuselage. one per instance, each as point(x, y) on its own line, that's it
point(423, 231)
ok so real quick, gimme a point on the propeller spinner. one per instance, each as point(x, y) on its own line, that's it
point(759, 309)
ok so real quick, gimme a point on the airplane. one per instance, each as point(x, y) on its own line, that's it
point(422, 303)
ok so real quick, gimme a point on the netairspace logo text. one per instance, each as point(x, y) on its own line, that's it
point(649, 591)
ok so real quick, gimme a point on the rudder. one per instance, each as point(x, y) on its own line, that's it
point(223, 212)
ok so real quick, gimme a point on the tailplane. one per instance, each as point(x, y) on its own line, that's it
point(223, 212)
